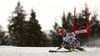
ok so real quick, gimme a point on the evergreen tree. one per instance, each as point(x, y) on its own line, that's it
point(16, 26)
point(64, 21)
point(54, 34)
point(95, 26)
point(36, 36)
point(2, 36)
point(68, 23)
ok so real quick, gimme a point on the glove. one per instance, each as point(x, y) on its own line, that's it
point(75, 47)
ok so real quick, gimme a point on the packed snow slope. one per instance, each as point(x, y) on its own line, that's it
point(43, 51)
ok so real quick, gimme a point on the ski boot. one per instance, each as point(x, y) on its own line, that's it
point(83, 50)
point(71, 49)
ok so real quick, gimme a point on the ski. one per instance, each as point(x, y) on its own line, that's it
point(51, 51)
point(54, 51)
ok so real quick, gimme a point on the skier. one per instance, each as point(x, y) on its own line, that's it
point(69, 41)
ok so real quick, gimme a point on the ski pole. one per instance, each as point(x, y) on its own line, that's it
point(91, 25)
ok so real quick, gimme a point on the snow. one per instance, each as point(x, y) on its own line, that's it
point(43, 51)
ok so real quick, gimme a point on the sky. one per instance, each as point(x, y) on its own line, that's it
point(47, 11)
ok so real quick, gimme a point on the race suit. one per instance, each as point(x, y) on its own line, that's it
point(71, 40)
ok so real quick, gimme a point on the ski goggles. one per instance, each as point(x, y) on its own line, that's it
point(61, 33)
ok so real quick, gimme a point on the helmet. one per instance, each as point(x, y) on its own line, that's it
point(62, 32)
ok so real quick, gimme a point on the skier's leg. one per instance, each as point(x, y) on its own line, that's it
point(77, 43)
point(66, 47)
point(77, 46)
point(69, 48)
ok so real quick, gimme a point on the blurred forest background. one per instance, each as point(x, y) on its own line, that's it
point(22, 32)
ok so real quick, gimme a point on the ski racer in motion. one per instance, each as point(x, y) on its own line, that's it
point(69, 41)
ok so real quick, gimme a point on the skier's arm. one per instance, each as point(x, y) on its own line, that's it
point(72, 34)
